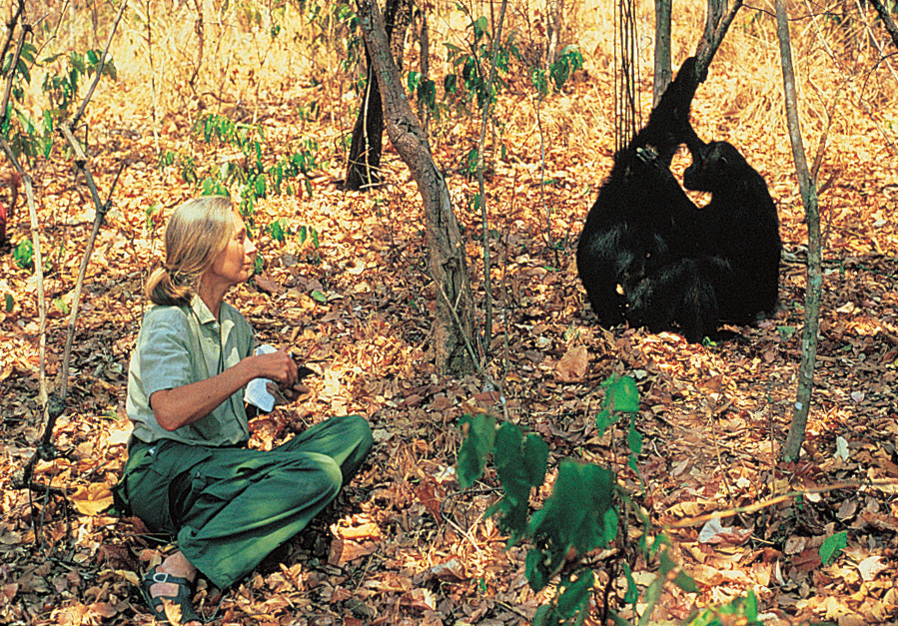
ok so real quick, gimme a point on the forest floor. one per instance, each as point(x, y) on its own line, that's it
point(402, 545)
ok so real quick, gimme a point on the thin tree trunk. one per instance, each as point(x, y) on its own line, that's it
point(887, 20)
point(484, 121)
point(363, 166)
point(454, 320)
point(663, 72)
point(424, 43)
point(199, 29)
point(792, 447)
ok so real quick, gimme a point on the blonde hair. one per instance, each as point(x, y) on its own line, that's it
point(197, 232)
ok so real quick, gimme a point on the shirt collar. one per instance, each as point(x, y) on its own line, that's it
point(203, 314)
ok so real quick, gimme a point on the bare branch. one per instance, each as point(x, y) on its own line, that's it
point(11, 26)
point(715, 31)
point(90, 92)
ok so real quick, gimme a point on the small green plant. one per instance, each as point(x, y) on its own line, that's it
point(468, 82)
point(150, 213)
point(832, 546)
point(61, 87)
point(580, 516)
point(425, 91)
point(742, 611)
point(24, 255)
point(567, 62)
point(308, 233)
point(278, 230)
point(256, 173)
point(559, 71)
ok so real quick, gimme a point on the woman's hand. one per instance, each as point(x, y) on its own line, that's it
point(277, 366)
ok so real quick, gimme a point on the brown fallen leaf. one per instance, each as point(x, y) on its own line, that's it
point(92, 499)
point(572, 366)
point(871, 567)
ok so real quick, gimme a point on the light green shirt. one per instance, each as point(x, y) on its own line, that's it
point(179, 345)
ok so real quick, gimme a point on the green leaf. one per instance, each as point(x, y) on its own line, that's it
point(539, 82)
point(276, 229)
point(833, 546)
point(10, 303)
point(480, 25)
point(575, 596)
point(536, 458)
point(61, 306)
point(24, 254)
point(623, 394)
point(686, 582)
point(414, 79)
point(319, 297)
point(427, 93)
point(574, 515)
point(545, 616)
point(450, 83)
point(536, 570)
point(610, 525)
point(632, 593)
point(480, 437)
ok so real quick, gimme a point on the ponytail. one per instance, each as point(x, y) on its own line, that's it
point(163, 289)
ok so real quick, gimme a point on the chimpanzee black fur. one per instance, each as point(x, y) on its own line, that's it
point(740, 224)
point(647, 255)
point(638, 257)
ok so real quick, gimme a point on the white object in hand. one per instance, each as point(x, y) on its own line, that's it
point(257, 392)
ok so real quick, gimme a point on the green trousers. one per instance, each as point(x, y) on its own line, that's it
point(230, 507)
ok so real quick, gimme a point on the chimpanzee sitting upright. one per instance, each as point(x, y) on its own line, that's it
point(640, 256)
point(740, 224)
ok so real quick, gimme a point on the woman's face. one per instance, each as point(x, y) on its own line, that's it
point(234, 264)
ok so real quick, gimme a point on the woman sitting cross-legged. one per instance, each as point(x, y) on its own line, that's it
point(189, 472)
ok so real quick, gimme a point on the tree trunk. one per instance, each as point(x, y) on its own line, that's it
point(663, 72)
point(887, 20)
point(424, 45)
point(795, 438)
point(453, 321)
point(362, 169)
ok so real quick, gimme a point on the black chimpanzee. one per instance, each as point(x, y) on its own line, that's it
point(638, 255)
point(649, 256)
point(740, 224)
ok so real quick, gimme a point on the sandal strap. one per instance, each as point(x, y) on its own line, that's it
point(155, 577)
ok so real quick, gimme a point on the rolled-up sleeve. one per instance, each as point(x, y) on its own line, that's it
point(163, 354)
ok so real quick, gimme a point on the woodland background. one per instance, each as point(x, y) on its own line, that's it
point(343, 281)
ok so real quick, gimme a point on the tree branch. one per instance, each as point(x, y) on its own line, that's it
point(887, 20)
point(90, 92)
point(714, 34)
point(11, 26)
